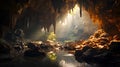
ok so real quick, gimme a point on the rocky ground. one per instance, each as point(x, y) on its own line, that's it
point(100, 50)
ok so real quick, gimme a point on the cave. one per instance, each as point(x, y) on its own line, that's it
point(60, 33)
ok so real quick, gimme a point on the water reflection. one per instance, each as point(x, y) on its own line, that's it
point(63, 63)
point(65, 59)
point(62, 59)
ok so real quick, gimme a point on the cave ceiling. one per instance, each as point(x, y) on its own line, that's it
point(105, 13)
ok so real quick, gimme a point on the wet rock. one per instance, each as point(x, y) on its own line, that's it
point(115, 47)
point(69, 46)
point(5, 51)
point(78, 55)
point(4, 48)
point(44, 46)
point(17, 47)
point(32, 46)
point(100, 49)
point(34, 53)
point(88, 54)
point(99, 56)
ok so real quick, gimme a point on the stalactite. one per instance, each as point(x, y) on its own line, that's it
point(80, 10)
point(94, 3)
point(80, 5)
point(28, 23)
point(48, 28)
point(46, 12)
point(54, 25)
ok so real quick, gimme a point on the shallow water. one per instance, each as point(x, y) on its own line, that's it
point(63, 59)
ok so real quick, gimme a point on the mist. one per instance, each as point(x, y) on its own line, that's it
point(73, 27)
point(69, 26)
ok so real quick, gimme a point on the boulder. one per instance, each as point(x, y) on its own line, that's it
point(34, 53)
point(4, 48)
point(32, 46)
point(5, 51)
point(115, 47)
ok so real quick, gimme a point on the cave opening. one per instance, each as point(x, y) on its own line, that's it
point(69, 27)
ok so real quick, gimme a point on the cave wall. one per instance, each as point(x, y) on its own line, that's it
point(106, 14)
point(10, 10)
